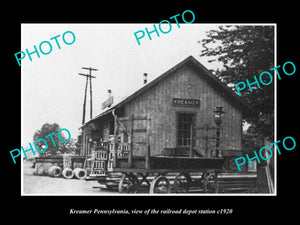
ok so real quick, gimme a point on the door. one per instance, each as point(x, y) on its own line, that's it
point(184, 123)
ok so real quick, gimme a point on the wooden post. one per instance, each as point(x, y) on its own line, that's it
point(216, 183)
point(82, 143)
point(148, 153)
point(191, 142)
point(218, 141)
point(115, 141)
point(85, 145)
point(84, 101)
point(206, 146)
point(106, 148)
point(86, 84)
point(90, 76)
point(91, 98)
point(130, 153)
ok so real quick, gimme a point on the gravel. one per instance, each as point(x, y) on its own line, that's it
point(45, 185)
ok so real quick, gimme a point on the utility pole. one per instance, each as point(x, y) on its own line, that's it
point(88, 77)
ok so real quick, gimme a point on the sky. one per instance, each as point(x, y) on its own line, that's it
point(52, 90)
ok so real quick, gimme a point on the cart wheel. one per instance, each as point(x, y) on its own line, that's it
point(210, 183)
point(128, 184)
point(160, 185)
point(182, 183)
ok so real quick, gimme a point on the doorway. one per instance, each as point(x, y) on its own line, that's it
point(184, 123)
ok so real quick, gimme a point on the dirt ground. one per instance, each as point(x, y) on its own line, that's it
point(45, 185)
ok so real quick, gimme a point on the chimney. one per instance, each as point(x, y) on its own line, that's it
point(145, 78)
point(108, 93)
point(109, 101)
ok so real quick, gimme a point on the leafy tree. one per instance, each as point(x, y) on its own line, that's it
point(71, 147)
point(60, 147)
point(45, 130)
point(245, 52)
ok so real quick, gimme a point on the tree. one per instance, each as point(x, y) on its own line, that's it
point(70, 147)
point(60, 147)
point(246, 51)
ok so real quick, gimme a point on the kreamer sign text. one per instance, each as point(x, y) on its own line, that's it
point(186, 102)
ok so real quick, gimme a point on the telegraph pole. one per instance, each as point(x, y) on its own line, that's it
point(88, 77)
point(84, 101)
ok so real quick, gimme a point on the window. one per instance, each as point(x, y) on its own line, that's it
point(184, 123)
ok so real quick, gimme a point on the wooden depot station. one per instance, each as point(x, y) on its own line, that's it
point(185, 121)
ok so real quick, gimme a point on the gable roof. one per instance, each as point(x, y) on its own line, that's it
point(246, 109)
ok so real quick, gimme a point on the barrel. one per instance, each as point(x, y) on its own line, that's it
point(68, 173)
point(54, 171)
point(79, 173)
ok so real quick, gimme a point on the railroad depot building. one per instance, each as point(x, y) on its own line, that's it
point(175, 114)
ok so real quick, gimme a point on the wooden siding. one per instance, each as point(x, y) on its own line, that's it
point(156, 103)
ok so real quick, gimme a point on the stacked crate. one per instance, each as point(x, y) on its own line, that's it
point(122, 151)
point(99, 160)
point(102, 158)
point(110, 160)
point(67, 161)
